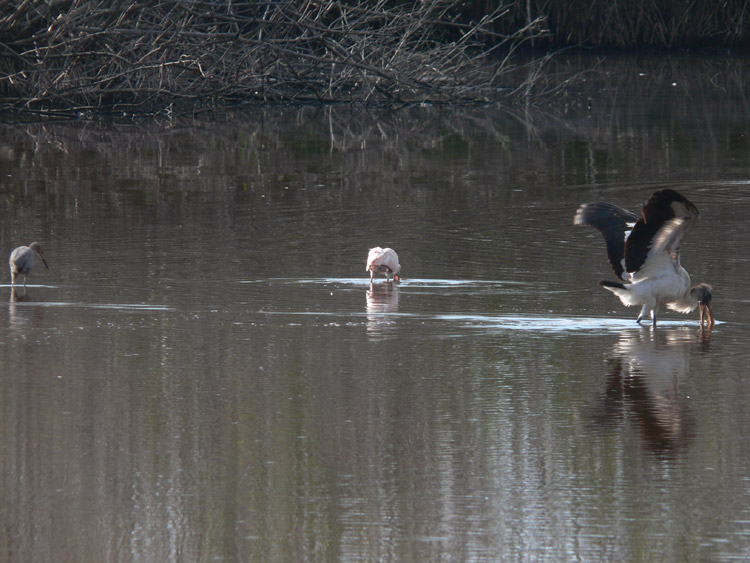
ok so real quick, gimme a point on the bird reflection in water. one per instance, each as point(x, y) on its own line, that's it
point(645, 368)
point(381, 302)
point(21, 296)
point(20, 315)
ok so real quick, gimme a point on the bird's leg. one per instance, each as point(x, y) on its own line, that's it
point(644, 310)
point(653, 316)
point(372, 273)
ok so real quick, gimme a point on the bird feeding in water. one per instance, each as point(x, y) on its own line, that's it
point(22, 260)
point(383, 261)
point(645, 254)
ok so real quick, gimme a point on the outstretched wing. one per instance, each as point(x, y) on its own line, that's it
point(615, 224)
point(657, 236)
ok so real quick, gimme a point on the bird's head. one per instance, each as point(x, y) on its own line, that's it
point(36, 247)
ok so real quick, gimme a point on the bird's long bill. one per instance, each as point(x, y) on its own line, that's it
point(44, 261)
point(709, 315)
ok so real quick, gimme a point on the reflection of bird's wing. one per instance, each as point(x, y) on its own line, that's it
point(654, 244)
point(614, 223)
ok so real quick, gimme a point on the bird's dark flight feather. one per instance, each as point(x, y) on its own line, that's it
point(613, 222)
point(657, 212)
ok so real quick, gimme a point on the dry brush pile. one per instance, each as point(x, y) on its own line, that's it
point(173, 55)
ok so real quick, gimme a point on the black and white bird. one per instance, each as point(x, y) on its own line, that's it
point(22, 260)
point(645, 254)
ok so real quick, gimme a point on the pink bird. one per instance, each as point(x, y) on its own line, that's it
point(383, 261)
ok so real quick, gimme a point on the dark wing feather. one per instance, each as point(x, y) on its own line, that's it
point(664, 221)
point(613, 222)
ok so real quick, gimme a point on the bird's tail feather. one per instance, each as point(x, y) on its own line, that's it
point(623, 291)
point(617, 285)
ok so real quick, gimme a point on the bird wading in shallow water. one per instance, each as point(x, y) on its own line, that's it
point(22, 260)
point(383, 261)
point(645, 254)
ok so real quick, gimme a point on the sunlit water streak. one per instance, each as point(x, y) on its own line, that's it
point(116, 306)
point(509, 322)
point(556, 324)
point(20, 286)
point(405, 282)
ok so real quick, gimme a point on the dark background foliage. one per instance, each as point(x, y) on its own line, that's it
point(173, 56)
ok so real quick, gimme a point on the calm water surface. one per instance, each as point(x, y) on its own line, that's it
point(206, 374)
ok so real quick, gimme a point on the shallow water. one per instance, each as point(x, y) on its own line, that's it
point(205, 373)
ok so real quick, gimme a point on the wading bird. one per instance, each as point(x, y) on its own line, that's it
point(383, 261)
point(22, 260)
point(645, 254)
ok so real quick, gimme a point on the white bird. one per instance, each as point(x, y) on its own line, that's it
point(645, 254)
point(22, 260)
point(383, 261)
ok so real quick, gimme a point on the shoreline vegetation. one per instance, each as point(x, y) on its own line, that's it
point(71, 58)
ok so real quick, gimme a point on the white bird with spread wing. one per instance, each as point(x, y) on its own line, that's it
point(645, 254)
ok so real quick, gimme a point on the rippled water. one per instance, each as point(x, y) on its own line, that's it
point(205, 373)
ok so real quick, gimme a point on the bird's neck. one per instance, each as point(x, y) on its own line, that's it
point(689, 299)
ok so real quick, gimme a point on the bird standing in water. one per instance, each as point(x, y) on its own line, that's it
point(22, 260)
point(383, 261)
point(645, 254)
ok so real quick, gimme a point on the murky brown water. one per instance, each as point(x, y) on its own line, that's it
point(205, 373)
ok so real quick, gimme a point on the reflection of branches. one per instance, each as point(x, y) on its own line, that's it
point(155, 54)
point(356, 142)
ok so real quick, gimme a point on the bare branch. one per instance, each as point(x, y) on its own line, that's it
point(71, 55)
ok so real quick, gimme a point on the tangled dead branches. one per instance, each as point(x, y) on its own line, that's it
point(144, 56)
